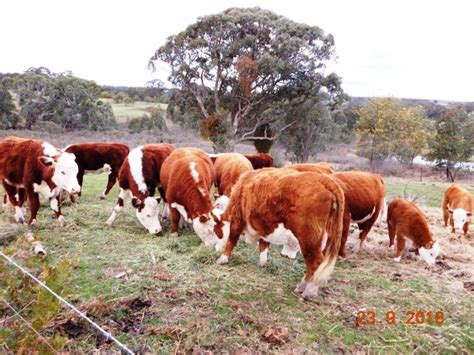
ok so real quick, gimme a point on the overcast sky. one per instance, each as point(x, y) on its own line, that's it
point(417, 48)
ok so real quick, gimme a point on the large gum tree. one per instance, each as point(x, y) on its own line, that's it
point(245, 68)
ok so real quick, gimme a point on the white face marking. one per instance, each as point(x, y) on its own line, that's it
point(460, 217)
point(135, 160)
point(366, 217)
point(44, 190)
point(49, 150)
point(194, 173)
point(205, 230)
point(148, 216)
point(221, 243)
point(182, 211)
point(54, 204)
point(65, 173)
point(429, 255)
point(221, 202)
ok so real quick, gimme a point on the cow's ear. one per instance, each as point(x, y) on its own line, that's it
point(137, 203)
point(469, 214)
point(430, 244)
point(203, 218)
point(46, 161)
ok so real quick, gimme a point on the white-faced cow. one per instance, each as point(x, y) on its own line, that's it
point(139, 177)
point(95, 156)
point(283, 206)
point(186, 177)
point(458, 207)
point(29, 168)
point(406, 220)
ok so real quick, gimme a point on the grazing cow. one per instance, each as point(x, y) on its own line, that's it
point(458, 207)
point(282, 206)
point(321, 167)
point(406, 220)
point(186, 177)
point(260, 160)
point(139, 177)
point(229, 167)
point(29, 168)
point(95, 156)
point(365, 200)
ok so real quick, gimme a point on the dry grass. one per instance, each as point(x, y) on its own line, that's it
point(164, 294)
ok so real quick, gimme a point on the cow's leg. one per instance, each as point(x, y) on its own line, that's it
point(391, 234)
point(234, 235)
point(400, 248)
point(110, 183)
point(118, 207)
point(12, 193)
point(175, 217)
point(80, 179)
point(55, 204)
point(33, 199)
point(366, 226)
point(263, 246)
point(313, 256)
point(346, 223)
point(446, 216)
point(465, 228)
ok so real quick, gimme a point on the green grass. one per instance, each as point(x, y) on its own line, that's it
point(231, 307)
point(124, 112)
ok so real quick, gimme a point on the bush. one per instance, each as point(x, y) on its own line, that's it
point(148, 122)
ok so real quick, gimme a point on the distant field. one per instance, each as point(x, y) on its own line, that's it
point(124, 112)
point(168, 294)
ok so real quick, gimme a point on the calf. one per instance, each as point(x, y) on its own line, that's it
point(458, 206)
point(321, 167)
point(365, 200)
point(406, 220)
point(260, 160)
point(139, 177)
point(29, 168)
point(228, 169)
point(282, 206)
point(186, 177)
point(95, 156)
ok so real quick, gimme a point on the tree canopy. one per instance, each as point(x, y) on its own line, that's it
point(241, 63)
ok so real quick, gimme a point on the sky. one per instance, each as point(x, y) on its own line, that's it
point(412, 49)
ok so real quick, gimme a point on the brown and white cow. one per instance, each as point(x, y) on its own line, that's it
point(186, 177)
point(458, 207)
point(229, 167)
point(139, 177)
point(95, 156)
point(260, 160)
point(321, 167)
point(406, 220)
point(283, 206)
point(29, 168)
point(365, 201)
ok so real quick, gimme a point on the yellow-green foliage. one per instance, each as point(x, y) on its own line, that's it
point(38, 306)
point(388, 128)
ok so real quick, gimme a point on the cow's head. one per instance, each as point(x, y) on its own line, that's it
point(221, 202)
point(65, 171)
point(147, 213)
point(204, 225)
point(460, 217)
point(430, 253)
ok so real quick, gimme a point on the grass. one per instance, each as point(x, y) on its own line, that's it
point(198, 305)
point(124, 112)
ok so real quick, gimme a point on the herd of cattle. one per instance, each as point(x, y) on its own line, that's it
point(306, 208)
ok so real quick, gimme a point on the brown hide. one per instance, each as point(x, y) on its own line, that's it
point(260, 160)
point(456, 196)
point(364, 193)
point(321, 167)
point(228, 169)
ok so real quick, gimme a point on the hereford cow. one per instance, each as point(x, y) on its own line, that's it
point(458, 206)
point(406, 220)
point(228, 169)
point(267, 206)
point(139, 177)
point(29, 168)
point(321, 167)
point(186, 177)
point(365, 200)
point(260, 160)
point(95, 156)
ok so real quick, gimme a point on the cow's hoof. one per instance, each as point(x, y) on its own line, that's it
point(223, 259)
point(301, 287)
point(262, 263)
point(397, 259)
point(310, 292)
point(61, 221)
point(174, 235)
point(102, 197)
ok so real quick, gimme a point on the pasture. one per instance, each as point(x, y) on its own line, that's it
point(126, 111)
point(165, 294)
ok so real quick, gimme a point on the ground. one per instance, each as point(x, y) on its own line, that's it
point(159, 293)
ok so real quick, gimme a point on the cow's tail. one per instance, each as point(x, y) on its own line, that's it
point(334, 233)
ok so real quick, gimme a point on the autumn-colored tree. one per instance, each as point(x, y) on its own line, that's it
point(388, 128)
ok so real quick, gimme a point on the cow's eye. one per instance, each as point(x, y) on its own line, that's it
point(148, 215)
point(62, 172)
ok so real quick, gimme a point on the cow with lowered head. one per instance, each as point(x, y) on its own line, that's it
point(139, 177)
point(458, 207)
point(30, 168)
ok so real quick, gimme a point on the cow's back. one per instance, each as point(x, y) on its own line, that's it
point(456, 196)
point(260, 160)
point(18, 156)
point(321, 168)
point(93, 156)
point(228, 168)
